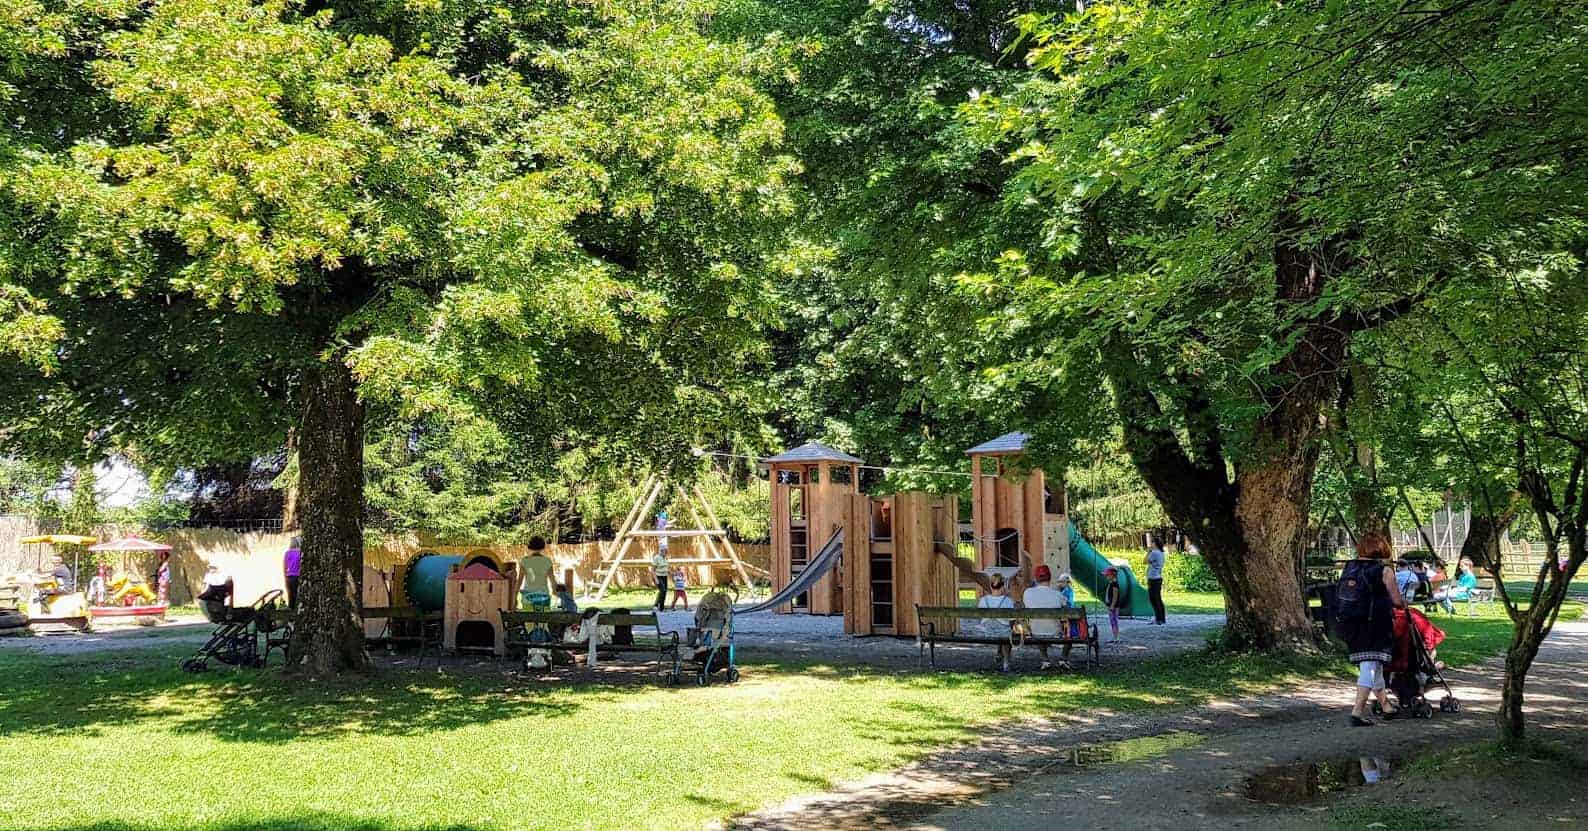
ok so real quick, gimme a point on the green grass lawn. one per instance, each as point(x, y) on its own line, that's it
point(126, 741)
point(1522, 589)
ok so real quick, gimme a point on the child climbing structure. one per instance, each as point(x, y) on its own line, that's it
point(888, 563)
point(1015, 507)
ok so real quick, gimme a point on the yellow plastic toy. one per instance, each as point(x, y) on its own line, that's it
point(124, 586)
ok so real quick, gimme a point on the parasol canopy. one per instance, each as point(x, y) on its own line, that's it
point(57, 539)
point(131, 545)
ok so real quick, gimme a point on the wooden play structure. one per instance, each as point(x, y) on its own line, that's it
point(1016, 507)
point(477, 595)
point(889, 566)
point(464, 593)
point(813, 487)
point(718, 550)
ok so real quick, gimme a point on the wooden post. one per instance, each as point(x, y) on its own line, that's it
point(621, 546)
point(733, 554)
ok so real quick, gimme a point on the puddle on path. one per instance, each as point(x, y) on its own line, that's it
point(1306, 781)
point(1132, 750)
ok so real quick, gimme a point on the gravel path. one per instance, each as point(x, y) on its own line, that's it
point(763, 637)
point(180, 629)
point(769, 636)
point(1194, 770)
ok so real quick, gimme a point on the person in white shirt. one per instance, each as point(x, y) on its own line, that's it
point(1045, 596)
point(660, 569)
point(1155, 560)
point(997, 597)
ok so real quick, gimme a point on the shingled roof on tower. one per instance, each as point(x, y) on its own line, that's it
point(1007, 443)
point(814, 451)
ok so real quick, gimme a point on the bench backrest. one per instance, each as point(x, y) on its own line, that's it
point(628, 619)
point(512, 620)
point(974, 613)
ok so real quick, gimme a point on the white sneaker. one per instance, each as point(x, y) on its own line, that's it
point(1047, 665)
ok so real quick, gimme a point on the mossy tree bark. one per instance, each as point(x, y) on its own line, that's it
point(328, 638)
point(1249, 511)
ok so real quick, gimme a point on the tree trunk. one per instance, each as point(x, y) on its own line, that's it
point(328, 638)
point(1253, 529)
point(1270, 610)
point(1368, 501)
point(1482, 545)
point(289, 505)
point(1518, 660)
point(1371, 505)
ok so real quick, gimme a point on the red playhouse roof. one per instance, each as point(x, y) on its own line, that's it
point(478, 571)
point(131, 544)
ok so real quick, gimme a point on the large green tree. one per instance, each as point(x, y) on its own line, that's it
point(1233, 195)
point(277, 213)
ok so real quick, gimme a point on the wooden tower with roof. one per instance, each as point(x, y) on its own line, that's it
point(1016, 507)
point(812, 486)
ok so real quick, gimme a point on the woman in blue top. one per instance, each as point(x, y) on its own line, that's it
point(1461, 590)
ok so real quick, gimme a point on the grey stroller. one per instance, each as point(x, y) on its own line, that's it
point(710, 640)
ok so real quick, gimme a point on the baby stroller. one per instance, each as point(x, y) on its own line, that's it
point(710, 640)
point(1413, 672)
point(235, 639)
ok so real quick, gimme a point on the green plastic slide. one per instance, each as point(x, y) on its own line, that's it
point(1086, 567)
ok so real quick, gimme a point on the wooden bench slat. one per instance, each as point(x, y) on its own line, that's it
point(613, 619)
point(971, 612)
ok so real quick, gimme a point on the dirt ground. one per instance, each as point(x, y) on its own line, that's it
point(1261, 763)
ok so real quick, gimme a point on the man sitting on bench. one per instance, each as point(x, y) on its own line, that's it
point(1045, 596)
point(997, 593)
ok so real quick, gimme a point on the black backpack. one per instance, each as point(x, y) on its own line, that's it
point(1353, 597)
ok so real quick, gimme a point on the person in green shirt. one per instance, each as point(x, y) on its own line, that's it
point(536, 569)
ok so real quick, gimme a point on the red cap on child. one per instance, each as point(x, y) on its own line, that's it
point(1041, 573)
point(1110, 571)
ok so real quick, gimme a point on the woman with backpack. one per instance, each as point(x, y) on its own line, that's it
point(1365, 601)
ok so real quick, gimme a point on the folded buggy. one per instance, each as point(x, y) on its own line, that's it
point(1413, 672)
point(235, 641)
point(710, 641)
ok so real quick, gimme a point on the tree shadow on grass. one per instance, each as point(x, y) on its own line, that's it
point(87, 695)
point(311, 821)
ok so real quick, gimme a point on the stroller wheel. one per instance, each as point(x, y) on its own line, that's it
point(733, 674)
point(194, 665)
point(1424, 710)
point(1449, 704)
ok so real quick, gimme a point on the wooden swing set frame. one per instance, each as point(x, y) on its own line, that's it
point(719, 550)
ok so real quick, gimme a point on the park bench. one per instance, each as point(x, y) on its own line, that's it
point(664, 645)
point(930, 618)
point(275, 625)
point(1481, 593)
point(408, 625)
